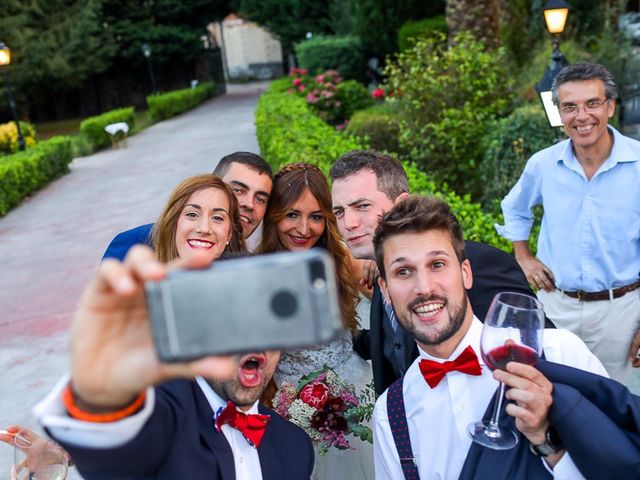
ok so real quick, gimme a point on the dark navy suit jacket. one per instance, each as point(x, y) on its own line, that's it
point(597, 420)
point(493, 271)
point(122, 242)
point(179, 441)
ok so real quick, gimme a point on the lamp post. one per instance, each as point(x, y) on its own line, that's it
point(555, 16)
point(5, 59)
point(146, 51)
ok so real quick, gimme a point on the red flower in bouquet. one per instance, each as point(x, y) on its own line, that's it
point(315, 394)
point(327, 408)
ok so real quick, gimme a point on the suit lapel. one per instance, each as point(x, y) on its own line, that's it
point(216, 441)
point(270, 463)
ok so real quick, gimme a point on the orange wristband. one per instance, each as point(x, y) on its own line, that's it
point(75, 411)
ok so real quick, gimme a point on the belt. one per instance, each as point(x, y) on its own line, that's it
point(604, 294)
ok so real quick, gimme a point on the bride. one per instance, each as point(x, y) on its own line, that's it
point(299, 217)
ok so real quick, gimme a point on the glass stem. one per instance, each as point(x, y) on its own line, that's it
point(497, 407)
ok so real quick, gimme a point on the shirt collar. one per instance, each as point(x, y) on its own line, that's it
point(621, 151)
point(216, 401)
point(472, 337)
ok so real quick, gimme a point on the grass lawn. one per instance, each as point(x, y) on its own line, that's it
point(71, 126)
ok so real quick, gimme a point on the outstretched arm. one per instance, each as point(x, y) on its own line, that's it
point(112, 353)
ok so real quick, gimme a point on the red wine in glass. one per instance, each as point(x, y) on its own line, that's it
point(512, 332)
point(498, 357)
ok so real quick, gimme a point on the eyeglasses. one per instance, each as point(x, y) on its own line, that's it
point(571, 109)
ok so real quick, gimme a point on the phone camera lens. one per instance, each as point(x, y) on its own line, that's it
point(284, 304)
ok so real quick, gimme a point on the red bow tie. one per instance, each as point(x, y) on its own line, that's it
point(434, 372)
point(250, 425)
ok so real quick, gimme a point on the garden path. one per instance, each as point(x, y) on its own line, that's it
point(51, 243)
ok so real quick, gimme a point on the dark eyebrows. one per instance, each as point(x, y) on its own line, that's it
point(198, 207)
point(433, 253)
point(350, 204)
point(236, 183)
point(356, 202)
point(244, 186)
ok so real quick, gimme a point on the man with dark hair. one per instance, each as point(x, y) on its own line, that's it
point(251, 179)
point(366, 184)
point(425, 277)
point(587, 267)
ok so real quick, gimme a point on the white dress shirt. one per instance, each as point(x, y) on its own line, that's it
point(438, 418)
point(53, 415)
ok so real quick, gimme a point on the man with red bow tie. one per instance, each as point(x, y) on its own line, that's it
point(423, 417)
point(202, 420)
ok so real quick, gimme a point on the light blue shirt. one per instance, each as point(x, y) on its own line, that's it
point(590, 232)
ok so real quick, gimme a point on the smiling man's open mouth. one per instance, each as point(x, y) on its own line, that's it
point(251, 369)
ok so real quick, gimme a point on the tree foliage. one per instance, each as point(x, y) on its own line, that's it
point(56, 44)
point(289, 20)
point(446, 98)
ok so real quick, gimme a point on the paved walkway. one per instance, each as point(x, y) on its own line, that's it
point(50, 245)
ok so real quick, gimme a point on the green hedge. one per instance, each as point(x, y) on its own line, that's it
point(413, 29)
point(93, 127)
point(23, 173)
point(288, 131)
point(344, 54)
point(353, 96)
point(507, 147)
point(170, 104)
point(379, 125)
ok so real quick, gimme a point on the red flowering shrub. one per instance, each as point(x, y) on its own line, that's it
point(331, 99)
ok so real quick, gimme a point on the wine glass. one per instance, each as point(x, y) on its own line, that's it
point(512, 332)
point(35, 457)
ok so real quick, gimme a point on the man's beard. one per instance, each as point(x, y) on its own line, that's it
point(231, 390)
point(456, 319)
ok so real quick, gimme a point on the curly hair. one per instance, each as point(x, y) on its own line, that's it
point(289, 183)
point(163, 234)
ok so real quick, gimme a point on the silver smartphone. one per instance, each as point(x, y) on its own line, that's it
point(274, 301)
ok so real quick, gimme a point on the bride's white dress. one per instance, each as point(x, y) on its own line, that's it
point(339, 355)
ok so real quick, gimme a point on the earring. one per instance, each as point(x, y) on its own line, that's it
point(227, 242)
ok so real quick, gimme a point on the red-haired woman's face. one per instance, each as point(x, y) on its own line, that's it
point(303, 223)
point(204, 225)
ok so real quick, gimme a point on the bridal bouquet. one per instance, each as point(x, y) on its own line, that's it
point(327, 407)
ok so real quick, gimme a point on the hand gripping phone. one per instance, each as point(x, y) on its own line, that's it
point(273, 301)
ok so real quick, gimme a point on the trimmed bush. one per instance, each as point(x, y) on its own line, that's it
point(344, 54)
point(288, 131)
point(25, 172)
point(170, 104)
point(413, 29)
point(507, 147)
point(93, 127)
point(9, 136)
point(378, 125)
point(353, 96)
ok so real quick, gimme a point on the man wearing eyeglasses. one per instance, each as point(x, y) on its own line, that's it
point(588, 259)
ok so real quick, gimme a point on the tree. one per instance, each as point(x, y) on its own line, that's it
point(289, 20)
point(480, 17)
point(56, 44)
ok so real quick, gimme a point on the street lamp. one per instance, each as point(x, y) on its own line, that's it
point(555, 16)
point(5, 59)
point(146, 51)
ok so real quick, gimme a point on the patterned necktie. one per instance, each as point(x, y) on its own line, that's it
point(434, 372)
point(252, 426)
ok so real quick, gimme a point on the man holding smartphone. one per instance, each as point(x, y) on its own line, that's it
point(250, 178)
point(202, 419)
